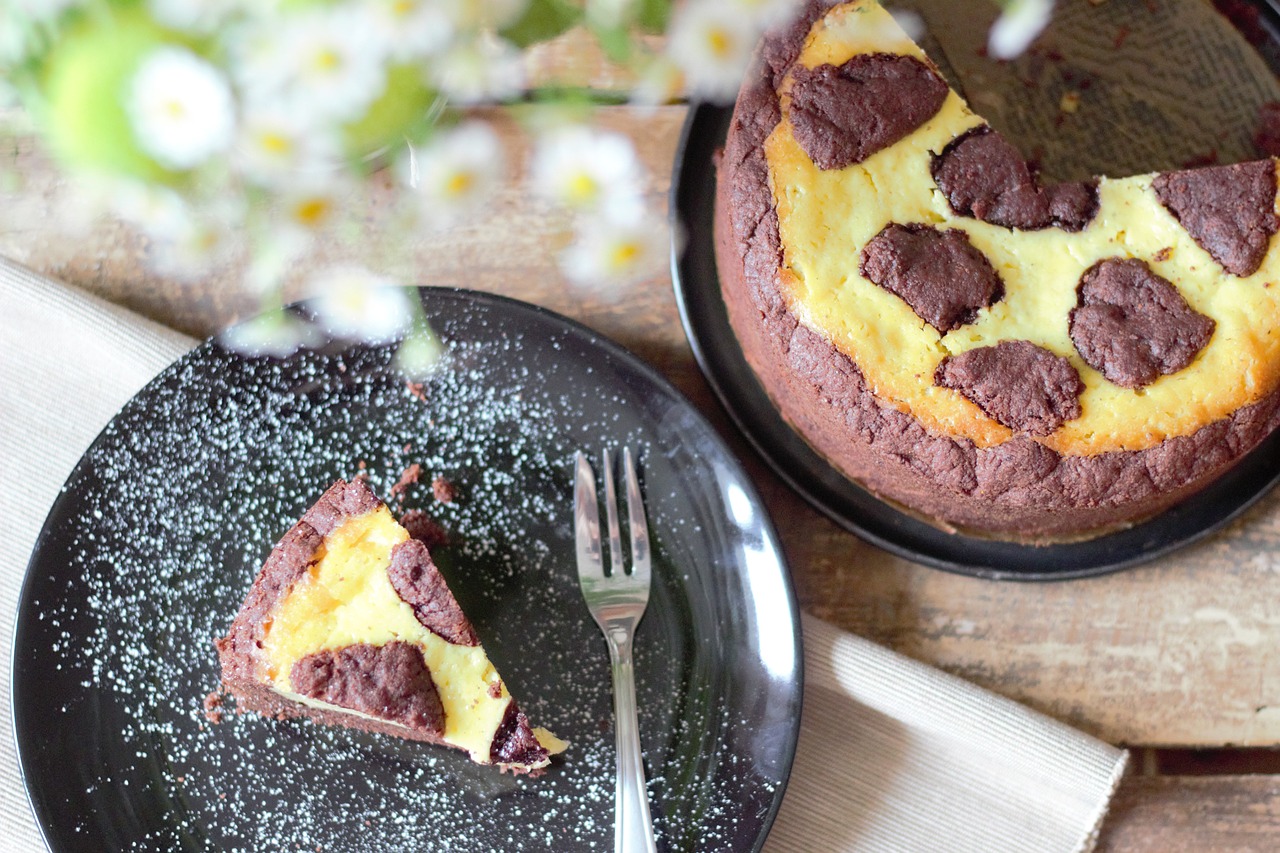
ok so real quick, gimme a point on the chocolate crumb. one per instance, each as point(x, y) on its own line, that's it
point(213, 708)
point(408, 477)
point(424, 529)
point(443, 490)
point(416, 389)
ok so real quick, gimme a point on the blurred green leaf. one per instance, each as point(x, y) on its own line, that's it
point(541, 21)
point(653, 15)
point(615, 42)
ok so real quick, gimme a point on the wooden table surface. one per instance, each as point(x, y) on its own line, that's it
point(1176, 654)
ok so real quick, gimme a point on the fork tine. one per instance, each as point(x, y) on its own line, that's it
point(639, 527)
point(586, 519)
point(616, 569)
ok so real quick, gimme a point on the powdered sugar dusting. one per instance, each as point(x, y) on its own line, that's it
point(178, 503)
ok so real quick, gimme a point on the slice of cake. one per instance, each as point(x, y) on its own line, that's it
point(991, 352)
point(350, 623)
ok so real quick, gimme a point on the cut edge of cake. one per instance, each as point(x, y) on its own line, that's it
point(350, 623)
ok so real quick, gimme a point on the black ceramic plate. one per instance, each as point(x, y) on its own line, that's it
point(159, 531)
point(706, 324)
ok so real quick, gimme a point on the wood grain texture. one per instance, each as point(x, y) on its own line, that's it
point(1179, 814)
point(1177, 653)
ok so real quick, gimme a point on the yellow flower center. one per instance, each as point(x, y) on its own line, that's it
point(582, 188)
point(327, 59)
point(275, 143)
point(720, 42)
point(459, 184)
point(624, 254)
point(312, 212)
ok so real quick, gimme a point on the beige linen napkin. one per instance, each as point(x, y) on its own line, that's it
point(893, 755)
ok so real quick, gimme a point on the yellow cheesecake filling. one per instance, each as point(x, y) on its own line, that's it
point(825, 219)
point(346, 598)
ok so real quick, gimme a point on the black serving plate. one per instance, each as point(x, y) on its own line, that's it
point(148, 552)
point(706, 324)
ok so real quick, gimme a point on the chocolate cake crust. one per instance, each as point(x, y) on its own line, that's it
point(239, 651)
point(1020, 488)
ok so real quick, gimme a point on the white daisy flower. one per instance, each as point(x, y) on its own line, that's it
point(275, 334)
point(766, 13)
point(457, 172)
point(326, 64)
point(196, 16)
point(191, 254)
point(586, 169)
point(181, 108)
point(712, 42)
point(420, 353)
point(611, 250)
point(412, 28)
point(486, 68)
point(275, 147)
point(1018, 25)
point(311, 205)
point(159, 211)
point(659, 83)
point(354, 303)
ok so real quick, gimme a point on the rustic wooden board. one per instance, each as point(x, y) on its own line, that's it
point(1193, 815)
point(1178, 653)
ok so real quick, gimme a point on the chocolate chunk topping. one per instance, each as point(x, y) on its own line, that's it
point(1132, 325)
point(944, 279)
point(420, 585)
point(423, 528)
point(514, 741)
point(842, 115)
point(1018, 384)
point(985, 177)
point(1228, 210)
point(389, 682)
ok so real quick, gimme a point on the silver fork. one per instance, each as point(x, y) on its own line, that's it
point(617, 602)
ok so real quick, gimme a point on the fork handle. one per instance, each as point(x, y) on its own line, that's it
point(633, 829)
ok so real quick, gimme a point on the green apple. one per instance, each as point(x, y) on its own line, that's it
point(405, 109)
point(86, 82)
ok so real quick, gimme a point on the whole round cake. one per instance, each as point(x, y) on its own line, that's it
point(992, 353)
